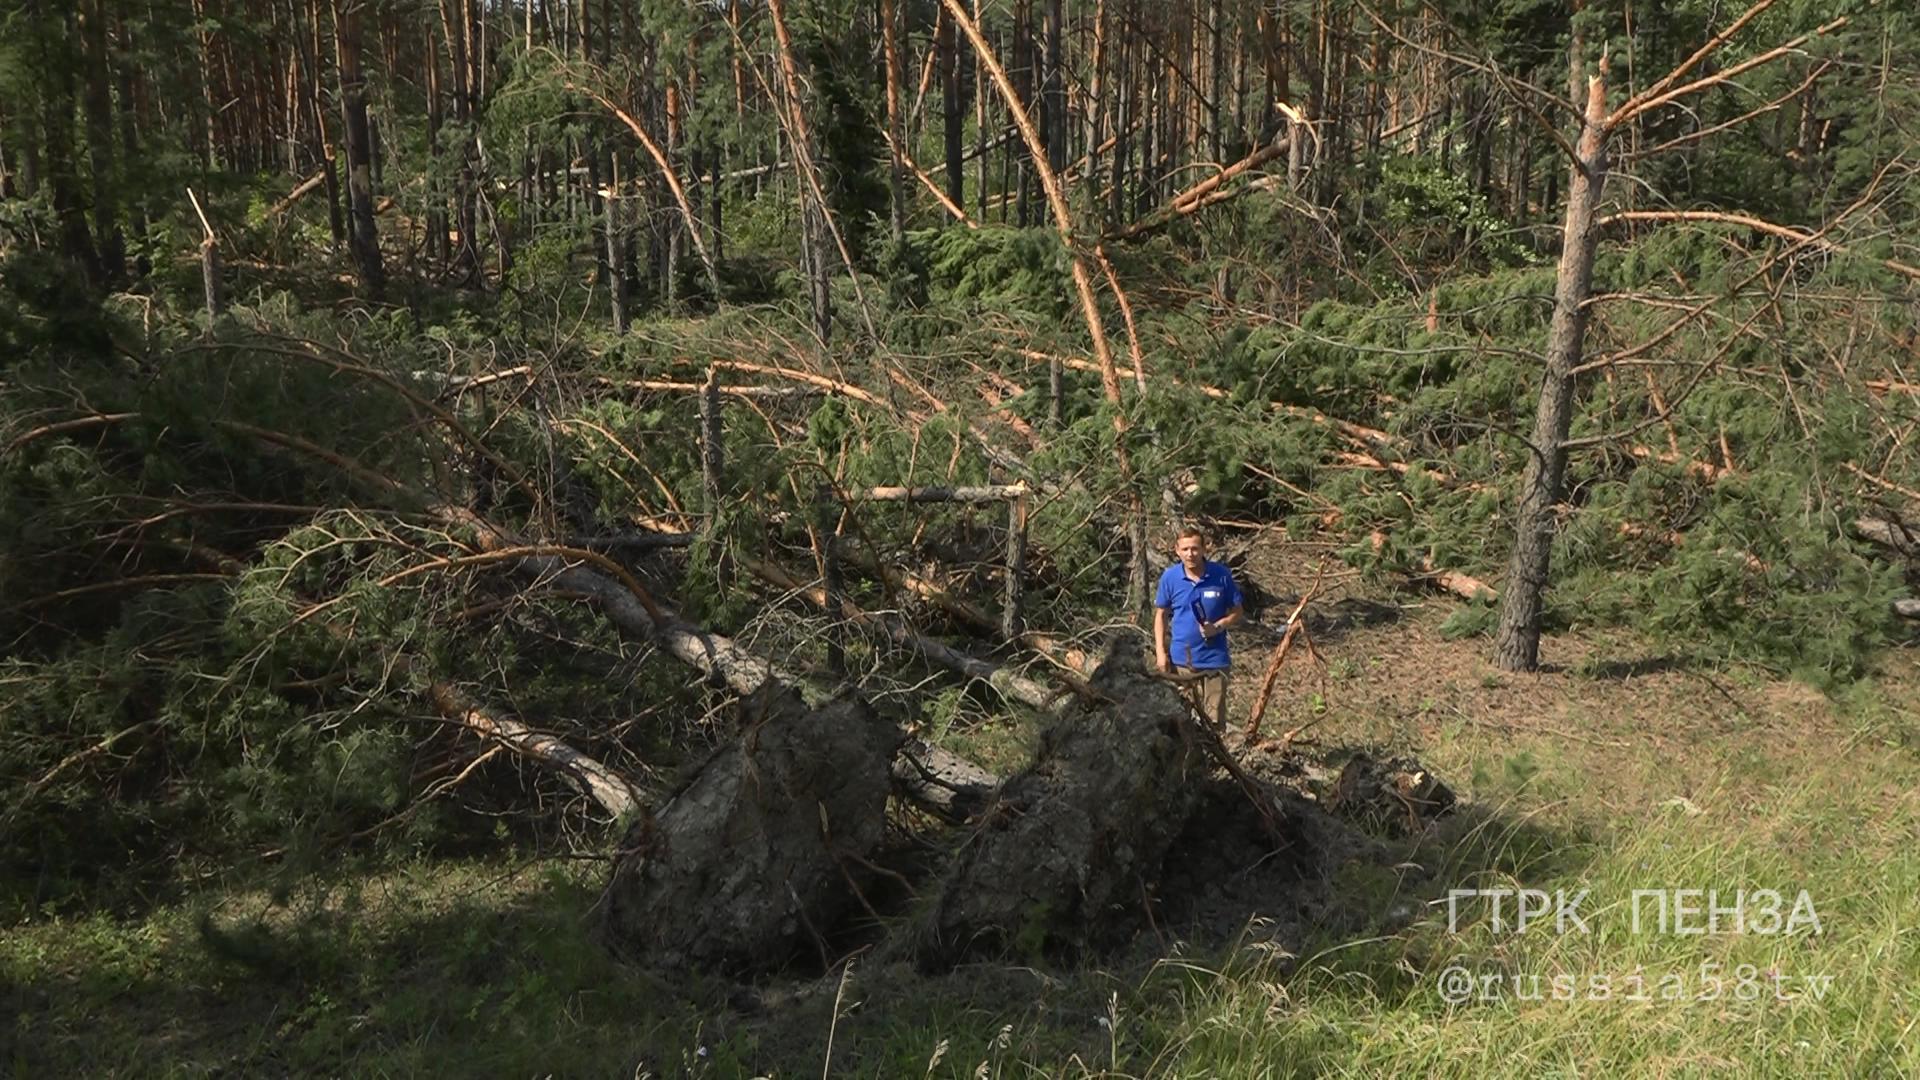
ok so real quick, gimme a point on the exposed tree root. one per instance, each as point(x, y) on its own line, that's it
point(748, 866)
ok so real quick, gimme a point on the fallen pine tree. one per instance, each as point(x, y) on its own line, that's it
point(771, 847)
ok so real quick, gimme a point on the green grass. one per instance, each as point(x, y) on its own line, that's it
point(489, 969)
point(476, 969)
point(1377, 1006)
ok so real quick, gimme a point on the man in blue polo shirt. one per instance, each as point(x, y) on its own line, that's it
point(1196, 602)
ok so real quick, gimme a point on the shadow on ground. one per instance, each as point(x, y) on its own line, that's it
point(500, 976)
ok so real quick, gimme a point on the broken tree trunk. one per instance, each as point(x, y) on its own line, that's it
point(1011, 622)
point(296, 194)
point(1517, 644)
point(1464, 586)
point(209, 264)
point(982, 494)
point(1061, 858)
point(1195, 197)
point(760, 855)
point(941, 782)
point(609, 790)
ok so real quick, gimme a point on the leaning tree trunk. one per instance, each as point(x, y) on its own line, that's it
point(1083, 285)
point(1518, 646)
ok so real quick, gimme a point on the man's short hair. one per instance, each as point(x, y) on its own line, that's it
point(1193, 531)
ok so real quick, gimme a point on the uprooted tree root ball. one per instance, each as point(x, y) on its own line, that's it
point(757, 857)
point(1120, 821)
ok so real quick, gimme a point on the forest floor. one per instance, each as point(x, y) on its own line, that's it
point(1613, 772)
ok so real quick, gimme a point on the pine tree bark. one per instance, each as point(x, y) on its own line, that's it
point(615, 234)
point(896, 133)
point(979, 118)
point(362, 238)
point(952, 107)
point(670, 274)
point(308, 39)
point(62, 173)
point(816, 240)
point(1518, 644)
point(99, 113)
point(436, 119)
point(1054, 92)
point(456, 25)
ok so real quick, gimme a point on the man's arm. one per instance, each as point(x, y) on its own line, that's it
point(1161, 617)
point(1219, 625)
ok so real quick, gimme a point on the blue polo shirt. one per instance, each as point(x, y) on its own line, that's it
point(1210, 598)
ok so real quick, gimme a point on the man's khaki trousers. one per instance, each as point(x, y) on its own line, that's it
point(1210, 692)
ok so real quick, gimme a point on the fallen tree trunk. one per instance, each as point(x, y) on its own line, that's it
point(669, 386)
point(627, 606)
point(941, 782)
point(717, 656)
point(721, 658)
point(1195, 197)
point(1464, 586)
point(295, 195)
point(609, 790)
point(986, 493)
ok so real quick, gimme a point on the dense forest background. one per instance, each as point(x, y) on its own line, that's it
point(425, 421)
